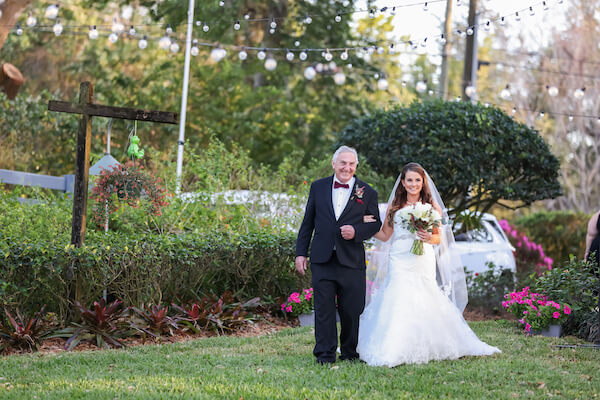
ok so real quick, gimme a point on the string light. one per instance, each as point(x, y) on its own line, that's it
point(242, 55)
point(221, 3)
point(164, 42)
point(308, 19)
point(546, 7)
point(339, 78)
point(579, 93)
point(194, 51)
point(344, 55)
point(217, 54)
point(517, 17)
point(31, 20)
point(470, 91)
point(505, 93)
point(273, 24)
point(442, 39)
point(487, 26)
point(270, 64)
point(246, 16)
point(113, 37)
point(174, 47)
point(382, 84)
point(531, 12)
point(425, 8)
point(391, 51)
point(289, 56)
point(470, 31)
point(303, 56)
point(143, 43)
point(131, 31)
point(205, 27)
point(51, 11)
point(19, 30)
point(236, 25)
point(421, 86)
point(169, 30)
point(338, 18)
point(117, 27)
point(552, 90)
point(310, 73)
point(57, 28)
point(570, 118)
point(261, 55)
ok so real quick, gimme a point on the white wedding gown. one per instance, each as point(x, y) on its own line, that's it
point(409, 320)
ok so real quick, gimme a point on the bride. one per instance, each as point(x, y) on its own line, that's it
point(409, 318)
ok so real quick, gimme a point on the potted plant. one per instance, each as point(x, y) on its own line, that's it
point(536, 313)
point(300, 305)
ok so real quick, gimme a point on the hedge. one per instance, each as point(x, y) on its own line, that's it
point(147, 268)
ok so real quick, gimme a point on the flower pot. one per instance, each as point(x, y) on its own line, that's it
point(309, 319)
point(552, 331)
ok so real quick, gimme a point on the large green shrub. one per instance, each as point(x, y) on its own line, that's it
point(478, 156)
point(147, 268)
point(561, 233)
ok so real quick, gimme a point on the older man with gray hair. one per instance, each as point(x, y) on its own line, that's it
point(335, 214)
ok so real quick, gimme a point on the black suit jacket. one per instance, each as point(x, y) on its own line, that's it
point(319, 217)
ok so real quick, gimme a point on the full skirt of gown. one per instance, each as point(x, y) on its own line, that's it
point(410, 320)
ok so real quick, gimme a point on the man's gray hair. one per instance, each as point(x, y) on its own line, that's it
point(344, 149)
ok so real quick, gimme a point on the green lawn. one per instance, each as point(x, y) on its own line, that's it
point(281, 366)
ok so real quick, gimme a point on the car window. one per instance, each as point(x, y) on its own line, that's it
point(497, 227)
point(475, 235)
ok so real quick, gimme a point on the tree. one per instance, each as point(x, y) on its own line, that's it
point(10, 77)
point(478, 156)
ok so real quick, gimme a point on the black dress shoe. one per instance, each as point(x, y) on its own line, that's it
point(352, 360)
point(324, 362)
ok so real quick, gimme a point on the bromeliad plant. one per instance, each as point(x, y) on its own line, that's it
point(534, 310)
point(153, 320)
point(103, 325)
point(299, 303)
point(24, 333)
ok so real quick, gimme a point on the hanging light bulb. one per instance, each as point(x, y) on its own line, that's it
point(461, 33)
point(458, 3)
point(273, 24)
point(169, 30)
point(221, 3)
point(270, 64)
point(261, 55)
point(143, 43)
point(470, 91)
point(403, 84)
point(31, 20)
point(236, 25)
point(339, 78)
point(242, 55)
point(297, 43)
point(246, 16)
point(421, 86)
point(51, 11)
point(425, 7)
point(344, 55)
point(502, 21)
point(93, 33)
point(372, 13)
point(579, 93)
point(546, 7)
point(174, 47)
point(19, 30)
point(303, 56)
point(442, 39)
point(289, 56)
point(430, 92)
point(541, 114)
point(308, 19)
point(113, 37)
point(392, 49)
point(376, 75)
point(271, 31)
point(570, 118)
point(117, 27)
point(531, 12)
point(552, 90)
point(57, 28)
point(164, 42)
point(412, 45)
point(382, 84)
point(514, 110)
point(217, 54)
point(310, 73)
point(194, 51)
point(127, 12)
point(505, 93)
point(328, 56)
point(205, 27)
point(517, 16)
point(338, 18)
point(319, 67)
point(424, 43)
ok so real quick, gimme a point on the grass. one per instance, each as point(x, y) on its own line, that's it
point(281, 366)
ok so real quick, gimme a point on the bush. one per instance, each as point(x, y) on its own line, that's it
point(529, 256)
point(148, 268)
point(576, 284)
point(487, 289)
point(561, 233)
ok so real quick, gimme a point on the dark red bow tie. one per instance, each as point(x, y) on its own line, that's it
point(336, 185)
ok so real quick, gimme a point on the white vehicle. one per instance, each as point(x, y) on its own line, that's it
point(481, 246)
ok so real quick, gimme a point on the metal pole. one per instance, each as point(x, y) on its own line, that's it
point(184, 94)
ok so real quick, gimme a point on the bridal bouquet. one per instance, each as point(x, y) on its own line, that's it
point(420, 216)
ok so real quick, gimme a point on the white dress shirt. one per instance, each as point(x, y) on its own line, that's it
point(340, 196)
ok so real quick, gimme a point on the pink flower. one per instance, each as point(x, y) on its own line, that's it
point(567, 310)
point(282, 306)
point(525, 312)
point(522, 320)
point(556, 314)
point(527, 327)
point(289, 308)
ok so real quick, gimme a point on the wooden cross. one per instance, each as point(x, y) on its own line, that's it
point(88, 109)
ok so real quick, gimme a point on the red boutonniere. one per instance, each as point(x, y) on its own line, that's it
point(359, 191)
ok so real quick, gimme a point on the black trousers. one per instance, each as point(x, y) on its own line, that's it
point(329, 280)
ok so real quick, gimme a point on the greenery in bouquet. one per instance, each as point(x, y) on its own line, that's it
point(419, 216)
point(534, 310)
point(529, 256)
point(299, 303)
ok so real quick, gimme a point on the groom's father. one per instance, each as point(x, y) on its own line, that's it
point(334, 212)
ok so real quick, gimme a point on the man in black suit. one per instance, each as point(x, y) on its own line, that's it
point(334, 212)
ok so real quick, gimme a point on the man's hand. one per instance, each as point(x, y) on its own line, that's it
point(301, 265)
point(347, 232)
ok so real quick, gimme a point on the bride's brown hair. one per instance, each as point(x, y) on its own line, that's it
point(400, 194)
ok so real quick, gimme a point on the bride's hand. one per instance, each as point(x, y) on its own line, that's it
point(424, 235)
point(368, 218)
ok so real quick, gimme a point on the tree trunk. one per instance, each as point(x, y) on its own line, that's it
point(446, 51)
point(11, 80)
point(11, 11)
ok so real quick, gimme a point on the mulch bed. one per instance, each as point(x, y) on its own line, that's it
point(265, 325)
